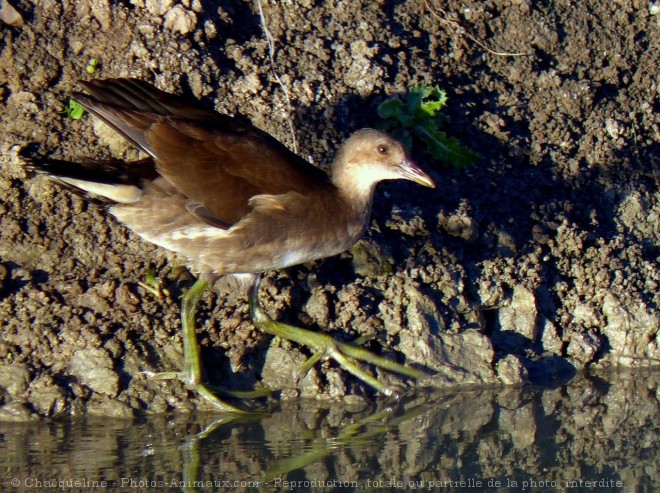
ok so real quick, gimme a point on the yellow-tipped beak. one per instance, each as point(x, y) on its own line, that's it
point(412, 172)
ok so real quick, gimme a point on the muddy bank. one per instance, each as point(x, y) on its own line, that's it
point(540, 260)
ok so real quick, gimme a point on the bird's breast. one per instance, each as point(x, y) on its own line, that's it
point(307, 228)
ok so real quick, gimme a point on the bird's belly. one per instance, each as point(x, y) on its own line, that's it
point(280, 253)
point(294, 254)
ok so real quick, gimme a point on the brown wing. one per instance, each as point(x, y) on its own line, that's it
point(215, 160)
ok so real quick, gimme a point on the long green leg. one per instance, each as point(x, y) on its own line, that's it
point(192, 360)
point(346, 354)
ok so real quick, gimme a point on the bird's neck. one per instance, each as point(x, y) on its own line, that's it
point(355, 205)
point(355, 187)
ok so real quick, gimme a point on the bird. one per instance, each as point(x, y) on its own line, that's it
point(232, 200)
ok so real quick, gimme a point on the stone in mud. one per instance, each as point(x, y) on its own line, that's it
point(49, 401)
point(550, 339)
point(17, 412)
point(521, 314)
point(14, 378)
point(511, 371)
point(632, 334)
point(464, 358)
point(180, 20)
point(9, 15)
point(110, 408)
point(282, 371)
point(93, 367)
point(582, 348)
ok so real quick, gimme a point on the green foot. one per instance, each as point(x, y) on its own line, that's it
point(346, 354)
point(209, 392)
point(192, 360)
point(191, 375)
point(153, 285)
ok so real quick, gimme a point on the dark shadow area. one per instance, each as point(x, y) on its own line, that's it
point(10, 283)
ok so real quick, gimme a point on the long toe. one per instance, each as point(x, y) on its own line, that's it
point(210, 397)
point(348, 356)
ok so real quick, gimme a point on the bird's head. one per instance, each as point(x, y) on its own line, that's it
point(370, 156)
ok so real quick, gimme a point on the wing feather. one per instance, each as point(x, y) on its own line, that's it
point(213, 159)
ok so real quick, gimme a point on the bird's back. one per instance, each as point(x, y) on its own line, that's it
point(214, 160)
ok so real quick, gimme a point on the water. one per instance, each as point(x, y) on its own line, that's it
point(597, 433)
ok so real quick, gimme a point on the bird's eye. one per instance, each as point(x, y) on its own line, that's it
point(383, 149)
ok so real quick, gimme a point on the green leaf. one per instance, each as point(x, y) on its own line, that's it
point(404, 136)
point(434, 100)
point(390, 108)
point(74, 110)
point(92, 65)
point(419, 116)
point(414, 99)
point(445, 148)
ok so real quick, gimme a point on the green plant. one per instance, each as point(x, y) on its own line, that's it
point(418, 117)
point(74, 110)
point(548, 7)
point(92, 65)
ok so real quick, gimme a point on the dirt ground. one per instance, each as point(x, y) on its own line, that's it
point(538, 261)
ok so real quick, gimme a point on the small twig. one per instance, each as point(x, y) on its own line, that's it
point(271, 55)
point(444, 18)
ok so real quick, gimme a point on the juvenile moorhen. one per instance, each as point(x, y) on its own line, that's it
point(231, 199)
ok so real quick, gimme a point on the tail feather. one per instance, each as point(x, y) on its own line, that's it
point(105, 181)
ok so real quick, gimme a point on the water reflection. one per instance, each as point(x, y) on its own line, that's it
point(592, 430)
